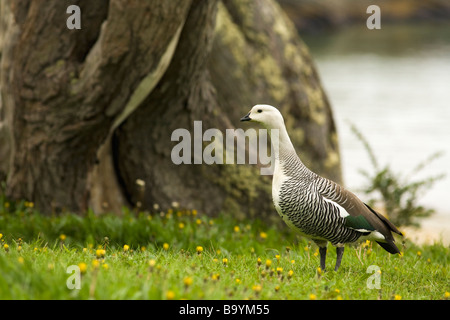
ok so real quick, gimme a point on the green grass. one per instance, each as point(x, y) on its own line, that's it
point(40, 249)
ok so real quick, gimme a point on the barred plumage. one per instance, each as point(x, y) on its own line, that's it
point(314, 206)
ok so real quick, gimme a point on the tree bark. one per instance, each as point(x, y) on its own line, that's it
point(87, 113)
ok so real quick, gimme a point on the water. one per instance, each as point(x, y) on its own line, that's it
point(394, 85)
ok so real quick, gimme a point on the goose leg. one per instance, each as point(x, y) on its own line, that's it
point(323, 256)
point(339, 254)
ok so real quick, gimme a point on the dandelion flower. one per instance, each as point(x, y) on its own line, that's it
point(6, 247)
point(105, 266)
point(236, 229)
point(181, 225)
point(95, 264)
point(166, 246)
point(152, 263)
point(187, 281)
point(21, 260)
point(225, 261)
point(239, 281)
point(397, 297)
point(319, 270)
point(1, 236)
point(257, 288)
point(126, 248)
point(277, 288)
point(446, 295)
point(263, 235)
point(198, 221)
point(62, 237)
point(290, 273)
point(277, 257)
point(279, 270)
point(83, 267)
point(170, 295)
point(268, 263)
point(100, 253)
point(199, 249)
point(312, 296)
point(215, 276)
point(419, 253)
point(258, 261)
point(194, 212)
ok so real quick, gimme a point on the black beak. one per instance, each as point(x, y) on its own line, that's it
point(246, 118)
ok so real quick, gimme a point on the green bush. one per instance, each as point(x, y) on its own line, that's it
point(397, 194)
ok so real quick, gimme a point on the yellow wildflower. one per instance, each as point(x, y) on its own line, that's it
point(126, 248)
point(277, 257)
point(170, 295)
point(263, 235)
point(446, 295)
point(419, 253)
point(166, 246)
point(236, 229)
point(257, 288)
point(312, 296)
point(21, 260)
point(187, 281)
point(95, 264)
point(225, 261)
point(199, 249)
point(258, 261)
point(397, 297)
point(152, 263)
point(215, 276)
point(268, 263)
point(105, 266)
point(62, 237)
point(100, 253)
point(1, 236)
point(181, 225)
point(238, 280)
point(279, 270)
point(83, 267)
point(6, 247)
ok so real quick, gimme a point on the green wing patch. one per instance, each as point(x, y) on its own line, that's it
point(358, 222)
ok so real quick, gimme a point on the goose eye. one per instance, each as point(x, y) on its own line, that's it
point(259, 110)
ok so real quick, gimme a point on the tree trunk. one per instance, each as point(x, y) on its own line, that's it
point(89, 113)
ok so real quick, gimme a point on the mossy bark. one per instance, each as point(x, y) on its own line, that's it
point(90, 112)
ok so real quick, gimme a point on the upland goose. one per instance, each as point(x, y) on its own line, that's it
point(314, 206)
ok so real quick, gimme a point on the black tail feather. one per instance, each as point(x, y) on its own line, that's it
point(389, 246)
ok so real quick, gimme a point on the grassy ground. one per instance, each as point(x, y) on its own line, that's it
point(181, 254)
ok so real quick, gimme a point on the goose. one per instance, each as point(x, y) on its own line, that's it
point(316, 207)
